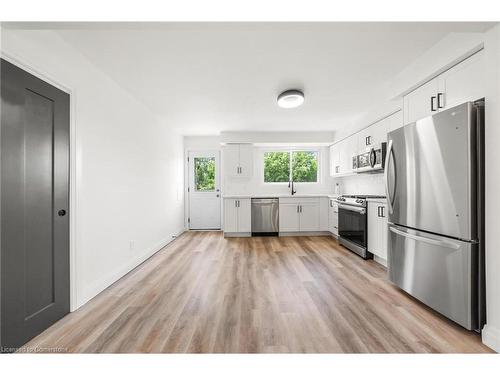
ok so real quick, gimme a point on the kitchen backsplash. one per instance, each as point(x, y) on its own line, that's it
point(370, 184)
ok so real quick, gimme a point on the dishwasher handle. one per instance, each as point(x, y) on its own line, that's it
point(263, 201)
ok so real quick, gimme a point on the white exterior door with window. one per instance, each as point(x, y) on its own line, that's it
point(204, 190)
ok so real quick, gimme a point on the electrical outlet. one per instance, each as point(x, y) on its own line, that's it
point(131, 245)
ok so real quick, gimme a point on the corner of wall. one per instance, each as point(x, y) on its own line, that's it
point(491, 337)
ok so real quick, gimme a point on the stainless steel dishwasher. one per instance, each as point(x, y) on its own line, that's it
point(265, 216)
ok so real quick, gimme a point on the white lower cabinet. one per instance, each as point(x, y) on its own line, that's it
point(323, 214)
point(309, 216)
point(377, 229)
point(333, 217)
point(299, 215)
point(237, 216)
point(289, 217)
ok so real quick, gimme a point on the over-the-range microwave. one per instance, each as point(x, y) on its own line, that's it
point(370, 161)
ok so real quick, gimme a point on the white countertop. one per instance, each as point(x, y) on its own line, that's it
point(317, 195)
point(242, 196)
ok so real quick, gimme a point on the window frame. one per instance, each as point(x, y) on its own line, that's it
point(290, 150)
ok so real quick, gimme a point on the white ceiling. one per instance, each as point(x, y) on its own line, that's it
point(204, 78)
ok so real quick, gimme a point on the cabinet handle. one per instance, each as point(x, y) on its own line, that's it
point(368, 140)
point(235, 203)
point(440, 96)
point(300, 209)
point(297, 208)
point(241, 170)
point(381, 211)
point(432, 104)
point(331, 203)
point(378, 211)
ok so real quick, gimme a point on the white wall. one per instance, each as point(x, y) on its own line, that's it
point(364, 183)
point(127, 176)
point(491, 332)
point(277, 137)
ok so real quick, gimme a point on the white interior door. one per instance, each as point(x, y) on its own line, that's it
point(204, 190)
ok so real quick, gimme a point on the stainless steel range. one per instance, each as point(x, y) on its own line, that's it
point(353, 226)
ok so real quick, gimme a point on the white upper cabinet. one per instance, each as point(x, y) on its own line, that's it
point(347, 149)
point(238, 160)
point(334, 160)
point(230, 158)
point(246, 160)
point(421, 102)
point(461, 83)
point(396, 121)
point(372, 135)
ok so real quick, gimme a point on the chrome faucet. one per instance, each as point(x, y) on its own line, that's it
point(290, 184)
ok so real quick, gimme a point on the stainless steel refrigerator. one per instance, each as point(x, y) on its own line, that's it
point(434, 175)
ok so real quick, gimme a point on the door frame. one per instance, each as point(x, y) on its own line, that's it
point(74, 168)
point(186, 183)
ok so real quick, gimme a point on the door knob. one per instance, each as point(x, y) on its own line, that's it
point(61, 212)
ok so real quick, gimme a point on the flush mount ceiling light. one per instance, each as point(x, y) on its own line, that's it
point(290, 98)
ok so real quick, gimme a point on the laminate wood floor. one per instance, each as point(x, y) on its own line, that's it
point(207, 294)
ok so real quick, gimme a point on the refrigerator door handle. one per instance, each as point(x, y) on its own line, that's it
point(425, 239)
point(390, 199)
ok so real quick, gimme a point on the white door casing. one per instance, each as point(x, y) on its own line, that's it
point(204, 191)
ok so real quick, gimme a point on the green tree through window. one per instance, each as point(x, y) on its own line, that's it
point(204, 173)
point(302, 164)
point(276, 167)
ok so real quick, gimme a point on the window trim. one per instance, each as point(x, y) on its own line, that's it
point(290, 150)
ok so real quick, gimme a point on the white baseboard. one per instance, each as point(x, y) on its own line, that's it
point(380, 260)
point(97, 287)
point(491, 337)
point(302, 234)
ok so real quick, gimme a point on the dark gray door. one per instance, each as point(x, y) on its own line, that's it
point(34, 205)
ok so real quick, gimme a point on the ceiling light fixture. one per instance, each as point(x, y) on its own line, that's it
point(290, 98)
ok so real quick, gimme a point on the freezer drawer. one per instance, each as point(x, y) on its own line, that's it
point(436, 270)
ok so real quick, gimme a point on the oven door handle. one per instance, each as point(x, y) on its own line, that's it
point(359, 210)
